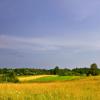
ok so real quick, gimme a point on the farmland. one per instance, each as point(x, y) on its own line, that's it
point(73, 88)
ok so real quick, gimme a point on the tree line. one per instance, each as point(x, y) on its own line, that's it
point(9, 74)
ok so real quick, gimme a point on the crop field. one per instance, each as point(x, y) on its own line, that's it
point(75, 88)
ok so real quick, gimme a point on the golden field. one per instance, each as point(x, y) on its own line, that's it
point(87, 88)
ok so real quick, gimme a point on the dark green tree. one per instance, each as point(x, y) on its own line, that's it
point(93, 70)
point(56, 70)
point(9, 77)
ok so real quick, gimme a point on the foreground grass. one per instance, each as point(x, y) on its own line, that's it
point(83, 89)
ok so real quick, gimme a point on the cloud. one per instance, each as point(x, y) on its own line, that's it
point(47, 44)
point(36, 44)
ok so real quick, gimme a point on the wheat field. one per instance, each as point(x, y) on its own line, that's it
point(83, 89)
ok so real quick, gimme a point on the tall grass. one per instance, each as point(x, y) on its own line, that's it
point(83, 89)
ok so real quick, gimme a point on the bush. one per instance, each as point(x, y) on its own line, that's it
point(9, 77)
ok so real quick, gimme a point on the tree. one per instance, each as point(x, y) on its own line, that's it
point(93, 69)
point(94, 66)
point(56, 70)
point(9, 77)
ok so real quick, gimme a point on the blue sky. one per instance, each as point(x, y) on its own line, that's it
point(46, 33)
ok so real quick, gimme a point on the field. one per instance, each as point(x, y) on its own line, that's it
point(30, 78)
point(60, 88)
point(47, 78)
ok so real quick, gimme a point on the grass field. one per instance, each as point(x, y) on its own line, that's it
point(30, 78)
point(46, 78)
point(55, 78)
point(87, 88)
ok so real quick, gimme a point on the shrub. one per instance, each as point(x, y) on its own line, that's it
point(9, 77)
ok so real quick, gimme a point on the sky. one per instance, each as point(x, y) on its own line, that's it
point(49, 33)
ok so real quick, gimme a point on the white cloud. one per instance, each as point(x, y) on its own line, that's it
point(47, 44)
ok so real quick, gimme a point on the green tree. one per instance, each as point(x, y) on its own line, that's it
point(93, 69)
point(56, 70)
point(9, 77)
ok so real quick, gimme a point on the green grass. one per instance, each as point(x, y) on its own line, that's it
point(55, 78)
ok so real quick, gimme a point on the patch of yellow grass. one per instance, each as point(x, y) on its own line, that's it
point(28, 78)
point(83, 89)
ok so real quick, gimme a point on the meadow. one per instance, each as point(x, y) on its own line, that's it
point(87, 88)
point(46, 78)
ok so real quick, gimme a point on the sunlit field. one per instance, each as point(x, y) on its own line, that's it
point(29, 78)
point(87, 88)
point(46, 78)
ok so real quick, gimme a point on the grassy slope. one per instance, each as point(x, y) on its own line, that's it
point(47, 78)
point(55, 78)
point(29, 78)
point(83, 89)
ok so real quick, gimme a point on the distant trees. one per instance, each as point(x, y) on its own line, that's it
point(93, 66)
point(80, 71)
point(9, 77)
point(93, 70)
point(56, 70)
point(65, 72)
